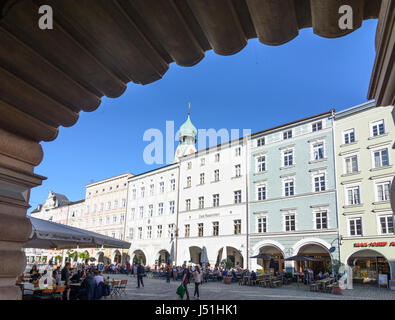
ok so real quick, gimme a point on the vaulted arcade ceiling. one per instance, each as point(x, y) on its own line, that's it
point(96, 47)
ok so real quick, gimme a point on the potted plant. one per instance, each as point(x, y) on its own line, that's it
point(334, 266)
point(227, 264)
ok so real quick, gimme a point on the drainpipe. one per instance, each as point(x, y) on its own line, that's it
point(126, 212)
point(247, 220)
point(178, 206)
point(334, 164)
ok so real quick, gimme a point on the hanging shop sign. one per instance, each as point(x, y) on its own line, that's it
point(374, 244)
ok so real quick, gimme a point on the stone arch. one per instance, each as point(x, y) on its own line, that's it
point(139, 255)
point(263, 243)
point(162, 257)
point(116, 256)
point(301, 243)
point(195, 254)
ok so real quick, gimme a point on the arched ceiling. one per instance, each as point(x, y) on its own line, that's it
point(96, 47)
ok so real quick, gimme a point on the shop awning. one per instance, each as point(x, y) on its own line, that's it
point(51, 235)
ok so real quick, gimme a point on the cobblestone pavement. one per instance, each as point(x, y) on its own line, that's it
point(156, 289)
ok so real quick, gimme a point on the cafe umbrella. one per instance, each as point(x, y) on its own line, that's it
point(204, 258)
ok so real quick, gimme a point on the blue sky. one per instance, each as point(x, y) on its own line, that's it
point(257, 88)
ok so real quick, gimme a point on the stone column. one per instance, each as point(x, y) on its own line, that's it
point(18, 157)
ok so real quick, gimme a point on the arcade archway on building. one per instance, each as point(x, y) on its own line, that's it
point(231, 254)
point(138, 256)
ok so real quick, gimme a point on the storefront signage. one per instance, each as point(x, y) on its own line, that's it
point(374, 244)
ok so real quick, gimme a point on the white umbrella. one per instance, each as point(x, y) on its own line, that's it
point(51, 235)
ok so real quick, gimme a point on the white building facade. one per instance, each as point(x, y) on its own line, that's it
point(212, 215)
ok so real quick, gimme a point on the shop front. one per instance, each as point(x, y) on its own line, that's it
point(372, 262)
point(321, 256)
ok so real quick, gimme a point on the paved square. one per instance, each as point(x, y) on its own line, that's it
point(156, 289)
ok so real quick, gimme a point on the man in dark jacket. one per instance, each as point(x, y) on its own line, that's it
point(140, 275)
point(88, 285)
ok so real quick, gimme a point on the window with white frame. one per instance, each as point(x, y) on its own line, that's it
point(200, 229)
point(122, 219)
point(386, 224)
point(321, 219)
point(349, 136)
point(377, 128)
point(260, 163)
point(132, 212)
point(101, 206)
point(237, 196)
point(140, 232)
point(238, 170)
point(108, 205)
point(380, 158)
point(215, 200)
point(355, 226)
point(189, 165)
point(353, 195)
point(261, 192)
point(134, 194)
point(141, 212)
point(170, 231)
point(187, 230)
point(288, 158)
point(202, 178)
point(173, 184)
point(237, 151)
point(142, 192)
point(289, 222)
point(319, 182)
point(159, 231)
point(287, 134)
point(216, 175)
point(215, 228)
point(115, 204)
point(383, 191)
point(189, 182)
point(318, 150)
point(261, 225)
point(201, 202)
point(217, 157)
point(351, 164)
point(237, 226)
point(160, 208)
point(162, 187)
point(289, 187)
point(149, 232)
point(202, 161)
point(187, 204)
point(171, 207)
point(151, 210)
point(151, 189)
point(316, 126)
point(260, 142)
point(123, 203)
point(131, 233)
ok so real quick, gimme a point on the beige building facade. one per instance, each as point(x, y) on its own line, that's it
point(364, 136)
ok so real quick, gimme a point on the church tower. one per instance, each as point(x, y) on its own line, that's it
point(187, 139)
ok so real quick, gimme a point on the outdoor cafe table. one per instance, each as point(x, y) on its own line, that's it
point(323, 283)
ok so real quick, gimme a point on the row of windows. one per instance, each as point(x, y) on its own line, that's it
point(152, 189)
point(288, 158)
point(288, 134)
point(381, 191)
point(386, 225)
point(109, 206)
point(289, 222)
point(160, 210)
point(215, 198)
point(217, 158)
point(380, 158)
point(215, 229)
point(377, 128)
point(100, 221)
point(109, 189)
point(216, 176)
point(149, 232)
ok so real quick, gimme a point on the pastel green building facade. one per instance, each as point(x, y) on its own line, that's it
point(364, 136)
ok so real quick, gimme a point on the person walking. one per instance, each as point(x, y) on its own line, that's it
point(197, 276)
point(185, 279)
point(140, 275)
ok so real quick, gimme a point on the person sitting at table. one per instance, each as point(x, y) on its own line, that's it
point(326, 275)
point(98, 277)
point(320, 275)
point(253, 275)
point(76, 277)
point(87, 290)
point(234, 276)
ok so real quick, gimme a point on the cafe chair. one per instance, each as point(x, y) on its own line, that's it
point(122, 287)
